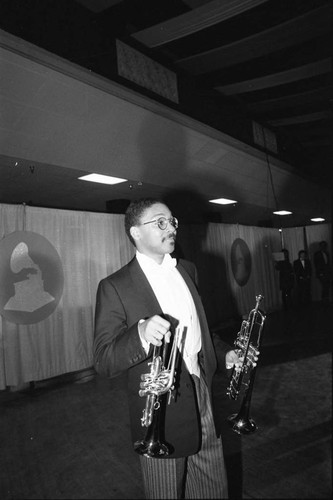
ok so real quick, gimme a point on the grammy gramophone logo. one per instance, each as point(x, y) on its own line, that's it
point(241, 261)
point(31, 277)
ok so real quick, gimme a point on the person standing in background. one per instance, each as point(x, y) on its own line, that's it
point(323, 270)
point(286, 279)
point(303, 273)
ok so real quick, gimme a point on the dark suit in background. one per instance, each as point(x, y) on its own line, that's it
point(286, 279)
point(303, 274)
point(323, 270)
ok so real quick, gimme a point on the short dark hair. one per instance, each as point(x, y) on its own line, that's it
point(135, 211)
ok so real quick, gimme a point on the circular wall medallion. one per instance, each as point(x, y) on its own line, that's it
point(31, 277)
point(241, 261)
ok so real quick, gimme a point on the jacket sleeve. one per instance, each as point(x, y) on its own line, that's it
point(117, 346)
point(221, 349)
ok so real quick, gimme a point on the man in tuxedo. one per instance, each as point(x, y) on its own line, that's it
point(303, 273)
point(323, 270)
point(139, 307)
point(286, 279)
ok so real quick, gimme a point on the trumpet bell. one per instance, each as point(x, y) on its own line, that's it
point(242, 425)
point(153, 448)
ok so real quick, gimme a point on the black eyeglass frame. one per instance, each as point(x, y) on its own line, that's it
point(173, 221)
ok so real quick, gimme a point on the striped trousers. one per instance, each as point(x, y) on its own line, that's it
point(202, 475)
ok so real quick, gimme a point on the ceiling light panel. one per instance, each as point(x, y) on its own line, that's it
point(222, 201)
point(102, 179)
point(282, 212)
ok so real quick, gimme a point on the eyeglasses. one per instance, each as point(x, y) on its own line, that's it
point(162, 222)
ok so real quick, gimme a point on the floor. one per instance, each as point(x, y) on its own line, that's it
point(68, 438)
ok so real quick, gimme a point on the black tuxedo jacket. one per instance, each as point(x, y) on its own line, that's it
point(322, 267)
point(302, 273)
point(124, 298)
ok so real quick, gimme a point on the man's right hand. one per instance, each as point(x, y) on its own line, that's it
point(153, 330)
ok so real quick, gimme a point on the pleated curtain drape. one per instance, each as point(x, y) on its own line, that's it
point(90, 247)
point(93, 245)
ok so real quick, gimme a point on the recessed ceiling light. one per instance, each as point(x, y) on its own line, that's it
point(282, 212)
point(102, 179)
point(222, 201)
point(317, 219)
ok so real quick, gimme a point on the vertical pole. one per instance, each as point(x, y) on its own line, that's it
point(305, 240)
point(281, 236)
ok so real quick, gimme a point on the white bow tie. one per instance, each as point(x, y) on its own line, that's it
point(168, 262)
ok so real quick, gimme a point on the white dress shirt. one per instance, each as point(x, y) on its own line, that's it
point(175, 300)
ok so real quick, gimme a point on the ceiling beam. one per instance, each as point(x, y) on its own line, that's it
point(306, 118)
point(196, 20)
point(315, 23)
point(302, 99)
point(281, 78)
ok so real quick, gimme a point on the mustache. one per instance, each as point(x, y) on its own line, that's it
point(170, 236)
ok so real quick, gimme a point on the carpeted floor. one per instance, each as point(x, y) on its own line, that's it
point(70, 440)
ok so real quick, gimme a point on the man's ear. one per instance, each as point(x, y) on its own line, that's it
point(135, 233)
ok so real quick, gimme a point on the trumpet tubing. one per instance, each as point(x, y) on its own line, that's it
point(152, 404)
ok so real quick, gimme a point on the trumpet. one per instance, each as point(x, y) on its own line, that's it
point(153, 385)
point(247, 344)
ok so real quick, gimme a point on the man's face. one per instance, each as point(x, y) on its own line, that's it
point(149, 238)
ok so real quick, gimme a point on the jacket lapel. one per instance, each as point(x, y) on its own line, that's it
point(194, 292)
point(144, 291)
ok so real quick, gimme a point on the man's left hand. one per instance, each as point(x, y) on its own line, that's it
point(232, 359)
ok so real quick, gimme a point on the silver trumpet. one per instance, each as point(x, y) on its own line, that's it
point(247, 346)
point(153, 385)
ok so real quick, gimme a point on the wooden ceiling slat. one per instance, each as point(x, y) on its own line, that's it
point(196, 20)
point(293, 120)
point(98, 5)
point(318, 143)
point(283, 77)
point(315, 23)
point(301, 99)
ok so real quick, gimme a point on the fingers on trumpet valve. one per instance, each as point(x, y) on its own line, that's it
point(254, 356)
